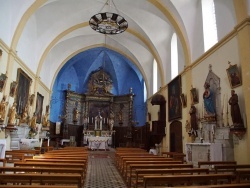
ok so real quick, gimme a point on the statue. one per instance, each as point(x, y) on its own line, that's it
point(31, 99)
point(33, 121)
point(111, 119)
point(208, 101)
point(12, 114)
point(98, 122)
point(3, 106)
point(120, 116)
point(193, 118)
point(45, 122)
point(25, 114)
point(33, 128)
point(75, 114)
point(235, 109)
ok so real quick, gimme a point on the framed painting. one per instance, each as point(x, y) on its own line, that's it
point(194, 95)
point(3, 79)
point(174, 101)
point(183, 100)
point(39, 107)
point(234, 76)
point(13, 87)
point(23, 88)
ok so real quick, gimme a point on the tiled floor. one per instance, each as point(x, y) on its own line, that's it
point(102, 172)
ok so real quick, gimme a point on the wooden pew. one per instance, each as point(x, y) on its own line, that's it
point(242, 175)
point(42, 170)
point(12, 156)
point(123, 161)
point(186, 179)
point(3, 161)
point(156, 162)
point(61, 157)
point(57, 160)
point(139, 173)
point(29, 178)
point(133, 167)
point(49, 164)
point(38, 186)
point(212, 163)
point(175, 155)
point(231, 168)
point(119, 156)
point(234, 185)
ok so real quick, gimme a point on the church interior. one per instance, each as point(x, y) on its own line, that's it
point(167, 77)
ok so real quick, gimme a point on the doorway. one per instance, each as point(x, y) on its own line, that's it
point(176, 144)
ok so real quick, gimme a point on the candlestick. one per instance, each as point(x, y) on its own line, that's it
point(41, 142)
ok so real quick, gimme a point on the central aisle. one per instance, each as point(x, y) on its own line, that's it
point(102, 172)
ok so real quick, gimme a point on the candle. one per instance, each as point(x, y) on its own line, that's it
point(48, 142)
point(41, 142)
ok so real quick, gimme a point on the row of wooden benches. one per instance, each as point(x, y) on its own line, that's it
point(139, 168)
point(57, 167)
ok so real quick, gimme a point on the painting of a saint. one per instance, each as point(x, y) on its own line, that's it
point(234, 76)
point(174, 104)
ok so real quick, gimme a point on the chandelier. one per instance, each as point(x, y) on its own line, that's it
point(108, 22)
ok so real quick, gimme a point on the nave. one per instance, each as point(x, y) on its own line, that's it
point(101, 172)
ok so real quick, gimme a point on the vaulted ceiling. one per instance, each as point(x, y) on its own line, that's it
point(47, 34)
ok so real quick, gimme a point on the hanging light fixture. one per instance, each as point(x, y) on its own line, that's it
point(108, 22)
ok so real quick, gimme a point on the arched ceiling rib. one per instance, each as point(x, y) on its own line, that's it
point(51, 31)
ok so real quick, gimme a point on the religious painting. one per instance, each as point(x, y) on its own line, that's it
point(234, 76)
point(13, 87)
point(39, 107)
point(23, 88)
point(194, 96)
point(3, 79)
point(183, 100)
point(174, 101)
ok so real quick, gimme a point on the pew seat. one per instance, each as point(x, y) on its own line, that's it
point(186, 179)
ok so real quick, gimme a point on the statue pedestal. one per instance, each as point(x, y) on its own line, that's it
point(20, 132)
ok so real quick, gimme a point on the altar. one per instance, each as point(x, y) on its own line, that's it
point(98, 143)
point(27, 144)
point(196, 152)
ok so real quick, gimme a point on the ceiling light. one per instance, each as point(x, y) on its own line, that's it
point(108, 22)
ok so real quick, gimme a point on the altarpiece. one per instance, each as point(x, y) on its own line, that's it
point(97, 112)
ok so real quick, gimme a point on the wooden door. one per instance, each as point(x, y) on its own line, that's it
point(176, 144)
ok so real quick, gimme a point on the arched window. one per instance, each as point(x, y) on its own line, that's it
point(174, 56)
point(209, 24)
point(155, 76)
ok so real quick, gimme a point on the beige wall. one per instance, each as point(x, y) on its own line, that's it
point(9, 62)
point(225, 51)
